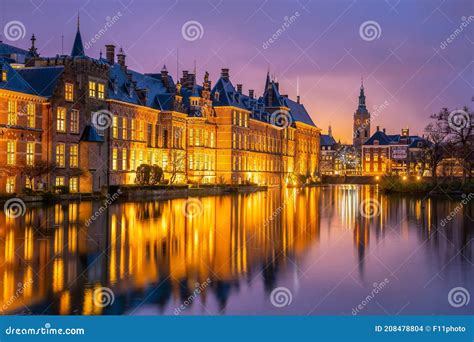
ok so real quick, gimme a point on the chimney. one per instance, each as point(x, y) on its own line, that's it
point(383, 130)
point(110, 53)
point(225, 74)
point(251, 93)
point(121, 58)
point(164, 76)
point(378, 128)
point(239, 88)
point(298, 99)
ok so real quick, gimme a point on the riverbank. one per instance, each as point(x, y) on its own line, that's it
point(133, 193)
point(426, 186)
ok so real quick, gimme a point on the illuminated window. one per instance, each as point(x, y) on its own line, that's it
point(11, 152)
point(60, 148)
point(197, 138)
point(74, 121)
point(165, 161)
point(141, 130)
point(69, 92)
point(74, 155)
point(376, 157)
point(114, 159)
point(61, 119)
point(140, 157)
point(376, 167)
point(367, 167)
point(59, 181)
point(31, 115)
point(124, 128)
point(30, 153)
point(4, 76)
point(124, 159)
point(12, 112)
point(212, 139)
point(191, 137)
point(191, 165)
point(10, 188)
point(132, 160)
point(74, 184)
point(115, 127)
point(134, 133)
point(92, 86)
point(100, 91)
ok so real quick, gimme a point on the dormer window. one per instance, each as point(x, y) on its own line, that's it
point(216, 96)
point(376, 142)
point(4, 76)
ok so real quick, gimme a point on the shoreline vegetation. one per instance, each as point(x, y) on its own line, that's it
point(428, 186)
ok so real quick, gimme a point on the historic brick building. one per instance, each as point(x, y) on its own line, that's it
point(86, 123)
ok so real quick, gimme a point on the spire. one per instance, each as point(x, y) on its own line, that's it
point(77, 47)
point(362, 94)
point(330, 130)
point(267, 81)
point(33, 50)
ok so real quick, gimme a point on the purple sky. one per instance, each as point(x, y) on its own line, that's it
point(404, 66)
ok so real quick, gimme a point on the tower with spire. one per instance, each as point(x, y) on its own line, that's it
point(361, 126)
point(78, 47)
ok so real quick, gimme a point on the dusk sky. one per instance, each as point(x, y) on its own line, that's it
point(406, 66)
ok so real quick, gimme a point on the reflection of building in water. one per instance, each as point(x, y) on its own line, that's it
point(151, 250)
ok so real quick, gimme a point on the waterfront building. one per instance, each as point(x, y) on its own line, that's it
point(401, 154)
point(80, 124)
point(329, 146)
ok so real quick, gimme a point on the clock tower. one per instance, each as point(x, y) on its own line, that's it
point(361, 129)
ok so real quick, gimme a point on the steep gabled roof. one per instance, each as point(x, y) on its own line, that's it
point(228, 96)
point(42, 80)
point(298, 112)
point(327, 140)
point(15, 81)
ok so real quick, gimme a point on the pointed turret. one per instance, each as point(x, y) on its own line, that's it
point(362, 95)
point(33, 50)
point(77, 47)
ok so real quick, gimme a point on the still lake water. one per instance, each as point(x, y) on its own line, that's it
point(316, 243)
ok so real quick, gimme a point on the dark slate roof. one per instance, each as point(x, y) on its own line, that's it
point(42, 80)
point(15, 81)
point(90, 135)
point(122, 89)
point(327, 140)
point(77, 47)
point(13, 52)
point(228, 96)
point(395, 139)
point(298, 112)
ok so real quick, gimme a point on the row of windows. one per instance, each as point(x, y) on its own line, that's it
point(201, 162)
point(240, 119)
point(61, 119)
point(59, 181)
point(244, 163)
point(255, 142)
point(61, 155)
point(96, 90)
point(13, 114)
point(200, 137)
point(12, 151)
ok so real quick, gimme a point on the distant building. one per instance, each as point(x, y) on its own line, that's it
point(401, 154)
point(361, 124)
point(329, 146)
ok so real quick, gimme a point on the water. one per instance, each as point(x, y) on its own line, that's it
point(227, 254)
